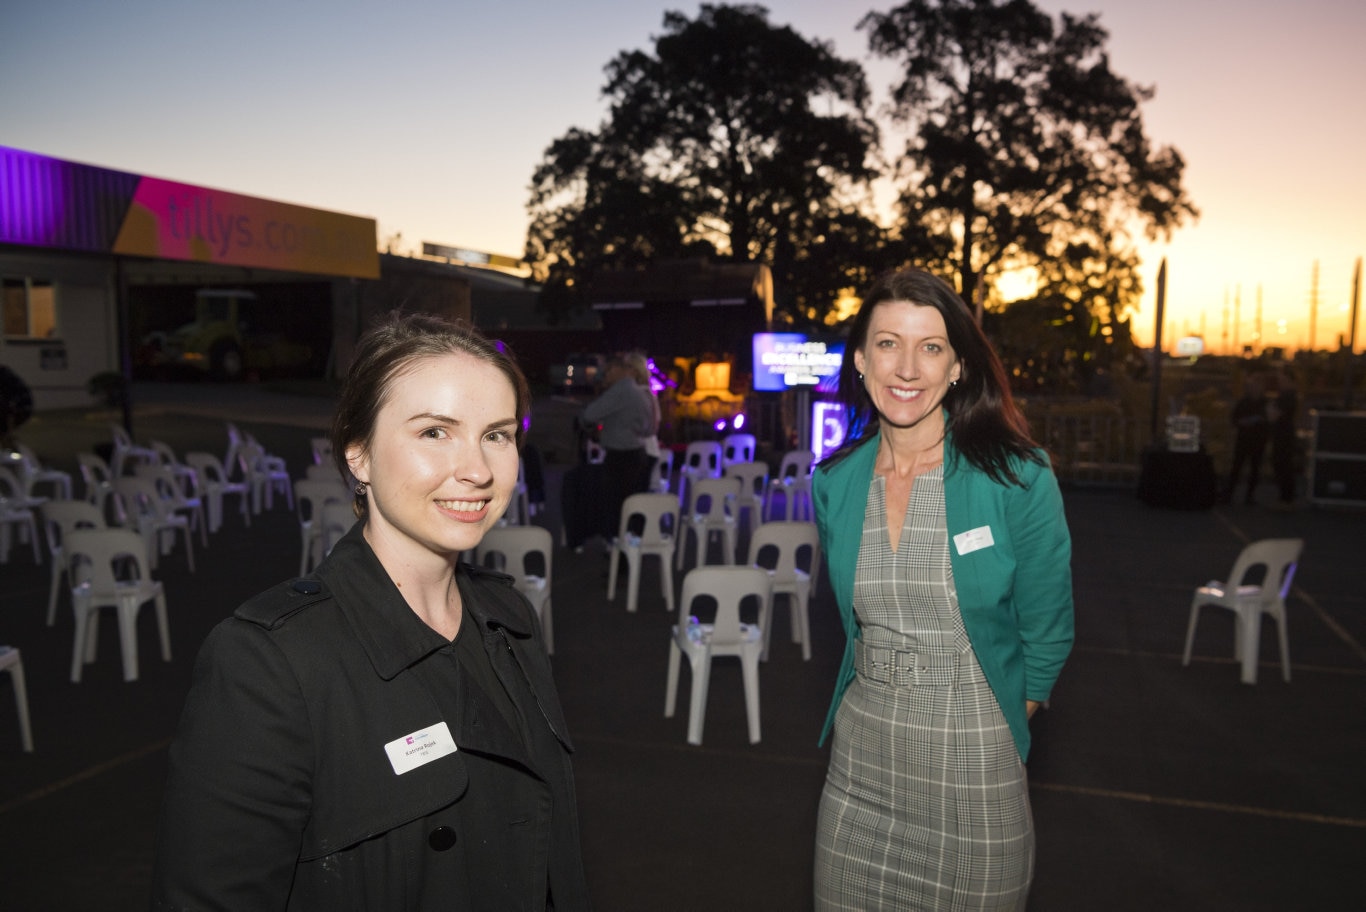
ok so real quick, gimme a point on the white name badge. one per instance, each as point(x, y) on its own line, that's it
point(974, 540)
point(422, 746)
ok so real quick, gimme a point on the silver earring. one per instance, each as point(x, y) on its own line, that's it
point(952, 384)
point(860, 378)
point(360, 489)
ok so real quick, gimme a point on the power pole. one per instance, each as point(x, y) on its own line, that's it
point(1223, 340)
point(1261, 343)
point(1314, 306)
point(1352, 334)
point(1157, 350)
point(1237, 318)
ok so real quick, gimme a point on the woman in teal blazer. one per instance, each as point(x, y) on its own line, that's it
point(949, 556)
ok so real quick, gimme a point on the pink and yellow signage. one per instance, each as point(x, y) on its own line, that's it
point(49, 202)
point(182, 222)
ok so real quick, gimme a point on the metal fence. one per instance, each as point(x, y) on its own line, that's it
point(1093, 449)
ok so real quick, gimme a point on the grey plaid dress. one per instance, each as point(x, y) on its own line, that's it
point(925, 805)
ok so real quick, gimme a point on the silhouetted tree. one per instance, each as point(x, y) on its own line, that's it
point(735, 138)
point(1026, 150)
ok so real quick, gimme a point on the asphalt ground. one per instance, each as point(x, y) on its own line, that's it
point(1154, 786)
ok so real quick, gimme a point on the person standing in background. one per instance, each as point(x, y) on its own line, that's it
point(1283, 416)
point(1251, 430)
point(624, 420)
point(640, 369)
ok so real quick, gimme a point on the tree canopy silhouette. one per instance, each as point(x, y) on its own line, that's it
point(1025, 150)
point(735, 138)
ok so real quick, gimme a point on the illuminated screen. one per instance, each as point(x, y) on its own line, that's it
point(784, 361)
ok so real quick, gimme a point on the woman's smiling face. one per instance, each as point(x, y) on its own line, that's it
point(906, 362)
point(442, 462)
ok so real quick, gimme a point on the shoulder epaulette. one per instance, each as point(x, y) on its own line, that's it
point(276, 605)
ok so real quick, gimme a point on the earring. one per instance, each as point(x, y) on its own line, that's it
point(360, 489)
point(952, 384)
point(860, 378)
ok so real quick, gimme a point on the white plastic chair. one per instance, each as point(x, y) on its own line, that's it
point(33, 473)
point(215, 484)
point(110, 569)
point(724, 636)
point(264, 474)
point(792, 485)
point(12, 662)
point(701, 459)
point(753, 478)
point(336, 520)
point(1249, 601)
point(649, 526)
point(142, 507)
point(524, 553)
point(125, 450)
point(738, 448)
point(790, 553)
point(235, 440)
point(519, 510)
point(327, 471)
point(321, 448)
point(185, 490)
point(179, 489)
point(661, 473)
point(309, 497)
point(12, 489)
point(713, 510)
point(96, 478)
point(16, 512)
point(60, 519)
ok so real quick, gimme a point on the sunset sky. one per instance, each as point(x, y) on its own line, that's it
point(430, 117)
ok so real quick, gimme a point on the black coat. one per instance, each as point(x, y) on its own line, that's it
point(282, 795)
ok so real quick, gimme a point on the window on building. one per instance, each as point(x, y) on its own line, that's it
point(29, 308)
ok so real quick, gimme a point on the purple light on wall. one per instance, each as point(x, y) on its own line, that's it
point(48, 202)
point(829, 423)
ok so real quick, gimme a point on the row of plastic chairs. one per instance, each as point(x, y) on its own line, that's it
point(717, 506)
point(787, 550)
point(788, 489)
point(323, 502)
point(1257, 585)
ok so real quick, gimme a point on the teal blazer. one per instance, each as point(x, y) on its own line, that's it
point(1015, 593)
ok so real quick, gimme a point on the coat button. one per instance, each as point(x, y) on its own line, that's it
point(307, 587)
point(441, 838)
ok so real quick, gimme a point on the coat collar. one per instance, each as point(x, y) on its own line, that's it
point(391, 634)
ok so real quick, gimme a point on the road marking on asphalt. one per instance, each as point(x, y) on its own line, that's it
point(84, 775)
point(1218, 660)
point(1144, 798)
